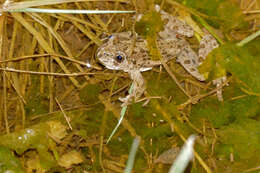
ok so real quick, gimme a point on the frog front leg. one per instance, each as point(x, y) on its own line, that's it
point(189, 60)
point(138, 87)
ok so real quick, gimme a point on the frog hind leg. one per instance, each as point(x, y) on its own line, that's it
point(207, 44)
point(174, 26)
point(190, 61)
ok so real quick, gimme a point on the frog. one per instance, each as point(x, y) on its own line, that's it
point(128, 52)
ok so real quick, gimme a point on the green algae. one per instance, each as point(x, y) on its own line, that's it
point(240, 138)
point(238, 61)
point(25, 139)
point(89, 121)
point(8, 162)
point(227, 14)
point(29, 138)
point(148, 27)
point(161, 84)
point(213, 110)
point(236, 129)
point(36, 105)
point(86, 123)
point(150, 24)
point(246, 107)
point(224, 113)
point(89, 94)
point(37, 102)
point(231, 14)
point(244, 67)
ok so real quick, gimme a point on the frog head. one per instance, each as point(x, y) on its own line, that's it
point(113, 53)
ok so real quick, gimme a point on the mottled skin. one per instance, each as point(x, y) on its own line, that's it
point(128, 52)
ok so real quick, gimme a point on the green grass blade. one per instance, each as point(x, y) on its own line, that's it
point(183, 159)
point(131, 157)
point(122, 114)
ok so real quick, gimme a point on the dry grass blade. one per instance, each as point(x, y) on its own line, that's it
point(88, 33)
point(43, 44)
point(27, 4)
point(37, 18)
point(67, 17)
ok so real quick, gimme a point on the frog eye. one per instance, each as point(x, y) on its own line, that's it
point(119, 58)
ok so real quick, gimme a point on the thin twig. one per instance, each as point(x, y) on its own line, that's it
point(5, 104)
point(198, 97)
point(7, 69)
point(64, 114)
point(47, 54)
point(174, 78)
